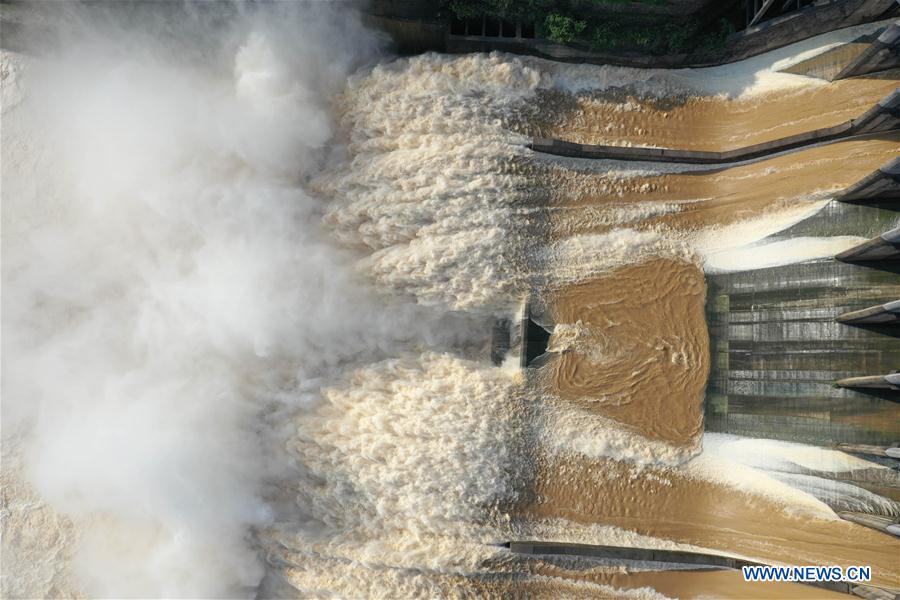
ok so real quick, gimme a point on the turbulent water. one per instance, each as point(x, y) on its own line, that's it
point(250, 267)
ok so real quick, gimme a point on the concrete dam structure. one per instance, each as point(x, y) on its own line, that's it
point(882, 249)
point(867, 54)
point(289, 315)
point(881, 188)
point(807, 352)
point(790, 342)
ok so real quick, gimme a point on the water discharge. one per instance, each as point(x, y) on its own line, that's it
point(632, 346)
point(250, 264)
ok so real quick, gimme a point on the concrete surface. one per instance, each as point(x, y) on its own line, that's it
point(818, 18)
point(883, 53)
point(871, 382)
point(885, 247)
point(831, 62)
point(777, 347)
point(883, 315)
point(881, 187)
point(534, 339)
point(863, 56)
point(892, 451)
point(500, 340)
point(883, 524)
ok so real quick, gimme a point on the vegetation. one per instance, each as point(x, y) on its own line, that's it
point(672, 38)
point(584, 23)
point(563, 29)
point(714, 40)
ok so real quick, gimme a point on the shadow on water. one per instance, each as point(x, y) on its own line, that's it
point(889, 395)
point(888, 330)
point(891, 204)
point(889, 266)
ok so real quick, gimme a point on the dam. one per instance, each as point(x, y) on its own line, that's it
point(510, 305)
point(783, 336)
point(789, 341)
point(800, 350)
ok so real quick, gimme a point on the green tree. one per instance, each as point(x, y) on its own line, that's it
point(563, 29)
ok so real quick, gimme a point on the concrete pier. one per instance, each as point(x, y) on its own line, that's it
point(625, 553)
point(871, 382)
point(885, 247)
point(500, 340)
point(881, 54)
point(886, 525)
point(863, 56)
point(884, 116)
point(892, 451)
point(534, 339)
point(883, 314)
point(880, 188)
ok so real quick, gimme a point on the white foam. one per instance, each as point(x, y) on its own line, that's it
point(422, 442)
point(428, 187)
point(747, 78)
point(747, 480)
point(727, 238)
point(782, 456)
point(576, 432)
point(841, 496)
point(774, 254)
point(580, 257)
point(799, 466)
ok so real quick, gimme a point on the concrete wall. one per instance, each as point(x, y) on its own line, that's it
point(411, 36)
point(883, 314)
point(811, 21)
point(880, 188)
point(629, 553)
point(882, 54)
point(551, 51)
point(415, 26)
point(885, 247)
point(831, 63)
point(777, 347)
point(534, 340)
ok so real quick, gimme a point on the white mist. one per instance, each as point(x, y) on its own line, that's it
point(166, 283)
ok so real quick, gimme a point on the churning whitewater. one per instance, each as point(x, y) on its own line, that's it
point(250, 266)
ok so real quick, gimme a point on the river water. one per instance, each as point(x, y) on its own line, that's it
point(250, 278)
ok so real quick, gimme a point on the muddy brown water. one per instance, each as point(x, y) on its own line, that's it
point(714, 123)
